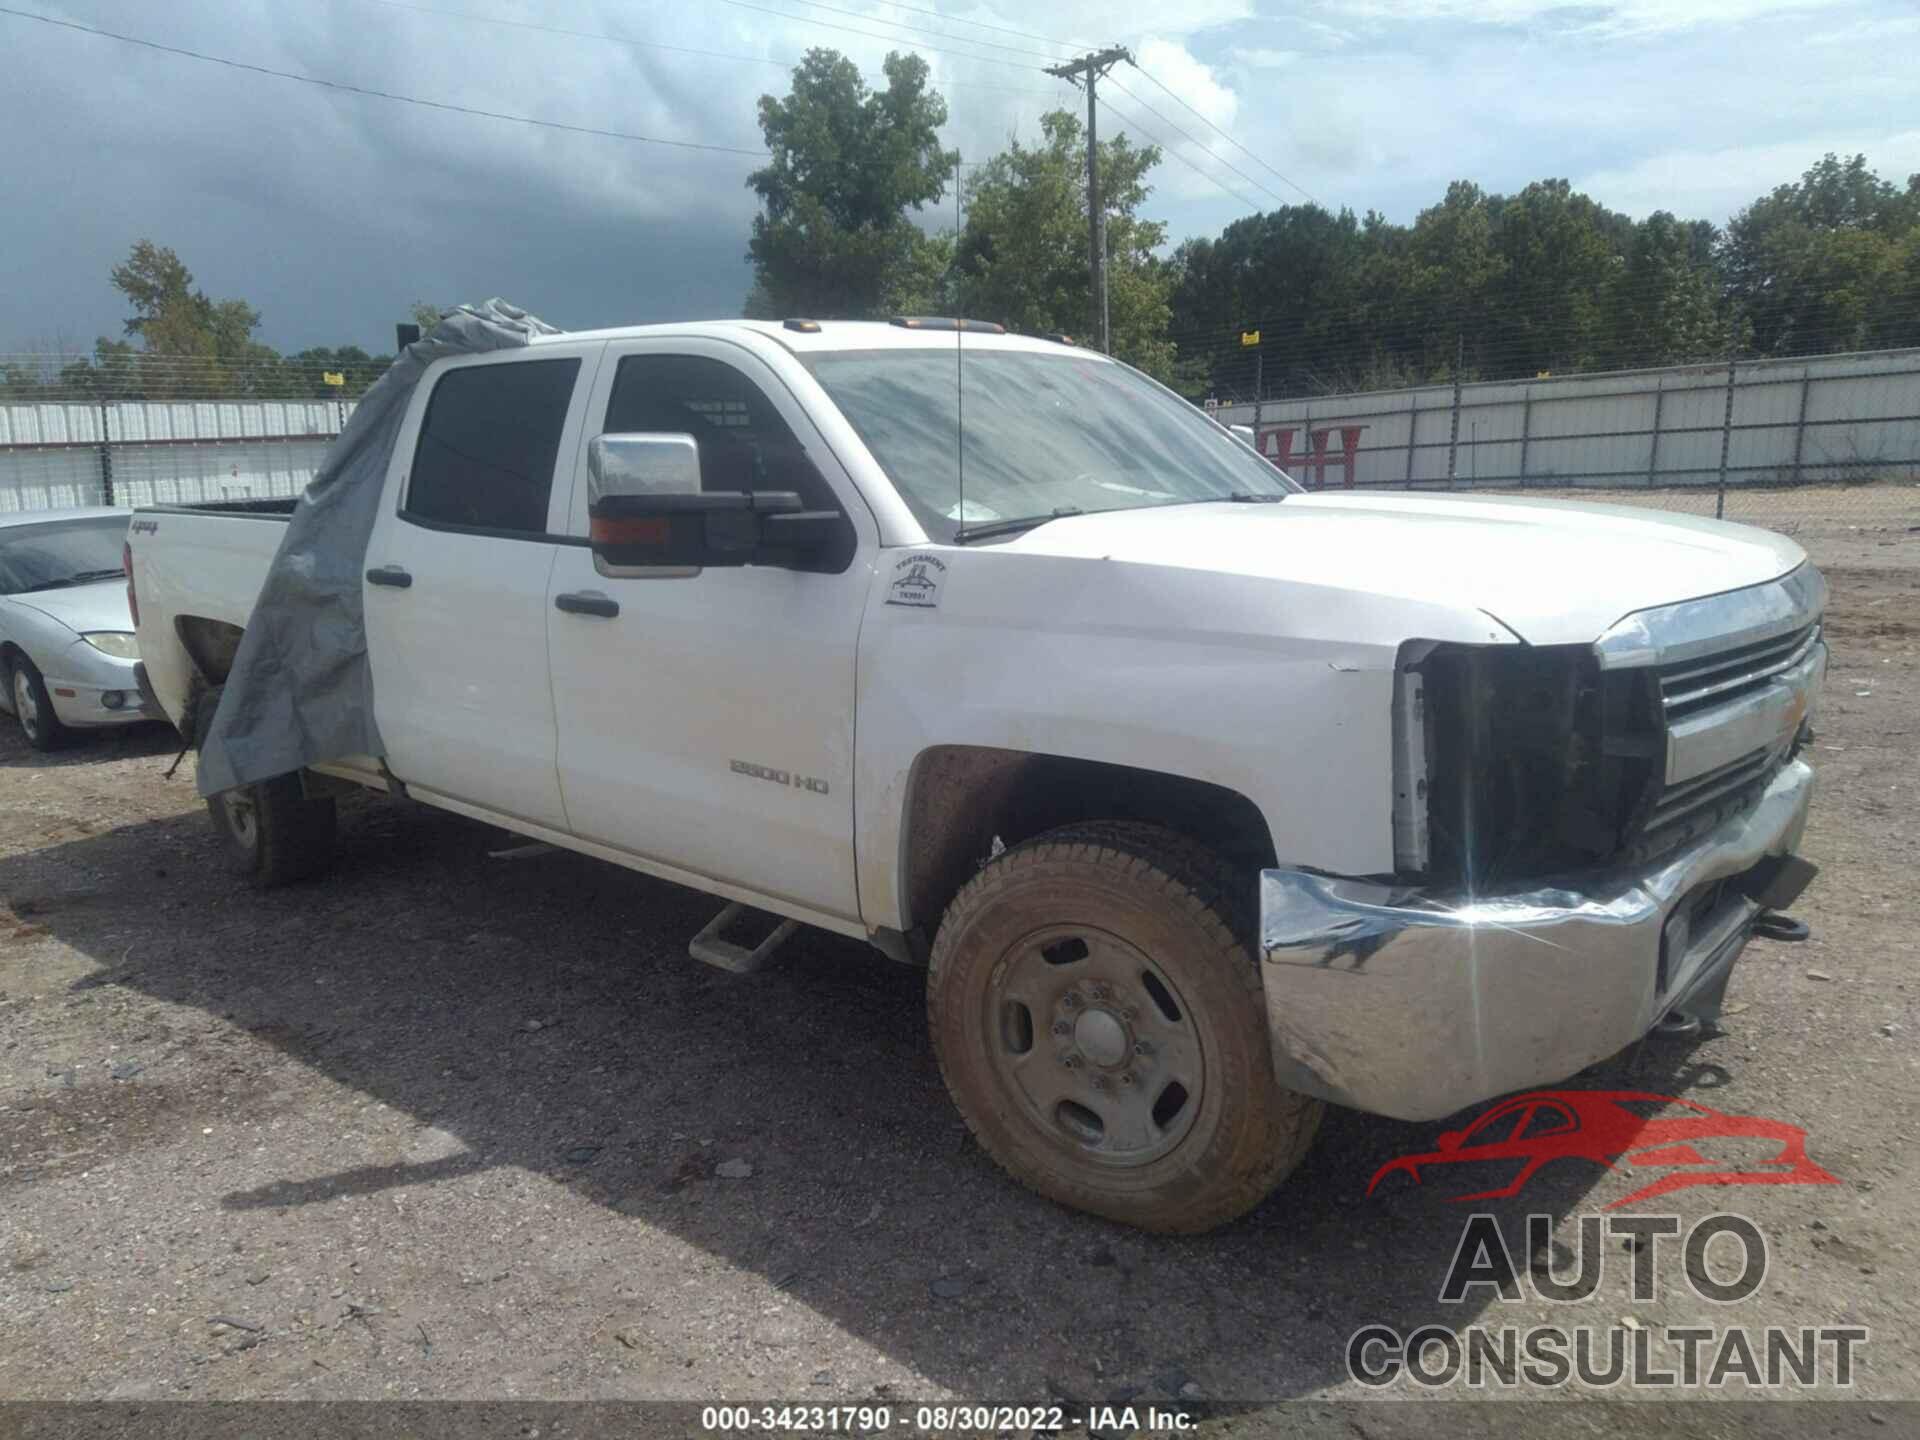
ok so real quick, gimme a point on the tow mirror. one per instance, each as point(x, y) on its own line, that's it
point(647, 516)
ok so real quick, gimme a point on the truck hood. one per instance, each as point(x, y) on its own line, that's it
point(100, 606)
point(1553, 572)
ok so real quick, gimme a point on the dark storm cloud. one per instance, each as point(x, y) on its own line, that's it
point(332, 213)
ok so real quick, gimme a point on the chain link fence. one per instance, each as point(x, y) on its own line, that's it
point(57, 454)
point(1828, 442)
point(1817, 444)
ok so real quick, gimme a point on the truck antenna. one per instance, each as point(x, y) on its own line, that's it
point(959, 382)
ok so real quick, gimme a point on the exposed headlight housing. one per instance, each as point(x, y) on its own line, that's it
point(117, 643)
point(1516, 762)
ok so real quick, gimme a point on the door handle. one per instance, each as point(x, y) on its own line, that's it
point(389, 575)
point(587, 602)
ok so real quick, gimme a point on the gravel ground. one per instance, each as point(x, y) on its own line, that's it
point(446, 1126)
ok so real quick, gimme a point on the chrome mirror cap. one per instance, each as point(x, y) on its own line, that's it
point(649, 465)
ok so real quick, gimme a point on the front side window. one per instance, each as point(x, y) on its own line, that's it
point(744, 444)
point(1028, 433)
point(488, 445)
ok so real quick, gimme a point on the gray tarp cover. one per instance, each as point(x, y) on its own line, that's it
point(300, 690)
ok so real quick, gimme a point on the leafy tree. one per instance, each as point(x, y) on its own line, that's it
point(1813, 265)
point(848, 162)
point(1022, 257)
point(1663, 305)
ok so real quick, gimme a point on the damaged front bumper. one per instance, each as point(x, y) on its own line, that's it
point(1393, 1001)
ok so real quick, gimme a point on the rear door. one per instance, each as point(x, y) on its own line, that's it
point(456, 583)
point(706, 723)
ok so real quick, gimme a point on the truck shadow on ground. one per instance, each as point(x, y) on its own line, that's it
point(545, 1013)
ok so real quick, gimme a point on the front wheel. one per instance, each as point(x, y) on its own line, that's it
point(1099, 1018)
point(271, 833)
point(33, 707)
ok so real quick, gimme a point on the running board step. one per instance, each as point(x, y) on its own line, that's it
point(729, 955)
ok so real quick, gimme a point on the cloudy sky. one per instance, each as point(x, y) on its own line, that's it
point(332, 211)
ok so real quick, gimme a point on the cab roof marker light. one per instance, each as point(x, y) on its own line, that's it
point(947, 322)
point(805, 327)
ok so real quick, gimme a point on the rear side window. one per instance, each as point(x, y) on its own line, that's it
point(488, 444)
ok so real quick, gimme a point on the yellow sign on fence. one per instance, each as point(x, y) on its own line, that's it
point(333, 377)
point(1249, 337)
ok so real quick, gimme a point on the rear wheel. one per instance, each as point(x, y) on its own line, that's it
point(1100, 1020)
point(33, 707)
point(271, 832)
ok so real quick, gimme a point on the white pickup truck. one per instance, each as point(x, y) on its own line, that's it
point(1204, 800)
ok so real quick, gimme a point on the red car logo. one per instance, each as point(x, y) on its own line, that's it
point(1613, 1128)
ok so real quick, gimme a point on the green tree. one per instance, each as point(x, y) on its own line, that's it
point(1663, 306)
point(1022, 255)
point(832, 237)
point(190, 344)
point(1812, 266)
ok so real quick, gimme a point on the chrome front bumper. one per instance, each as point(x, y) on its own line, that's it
point(1404, 1004)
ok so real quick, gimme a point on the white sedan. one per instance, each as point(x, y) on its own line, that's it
point(67, 649)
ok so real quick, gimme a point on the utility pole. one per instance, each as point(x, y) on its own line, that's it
point(1092, 67)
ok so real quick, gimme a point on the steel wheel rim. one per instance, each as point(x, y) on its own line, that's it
point(26, 704)
point(1096, 1045)
point(242, 817)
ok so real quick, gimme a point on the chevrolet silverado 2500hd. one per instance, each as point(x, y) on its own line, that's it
point(1205, 800)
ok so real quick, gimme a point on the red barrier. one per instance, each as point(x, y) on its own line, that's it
point(1276, 443)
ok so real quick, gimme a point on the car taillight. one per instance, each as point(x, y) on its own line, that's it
point(126, 564)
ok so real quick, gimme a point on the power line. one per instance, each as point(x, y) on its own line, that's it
point(1190, 140)
point(1229, 139)
point(346, 88)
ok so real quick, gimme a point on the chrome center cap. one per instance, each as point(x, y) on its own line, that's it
point(1101, 1037)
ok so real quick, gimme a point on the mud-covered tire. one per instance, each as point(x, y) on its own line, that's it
point(1074, 922)
point(270, 833)
point(32, 706)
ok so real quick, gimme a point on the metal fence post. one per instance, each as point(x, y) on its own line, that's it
point(1526, 431)
point(106, 459)
point(1413, 431)
point(1800, 425)
point(1653, 449)
point(1453, 431)
point(1726, 439)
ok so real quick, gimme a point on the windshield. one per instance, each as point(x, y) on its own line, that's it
point(60, 552)
point(1045, 434)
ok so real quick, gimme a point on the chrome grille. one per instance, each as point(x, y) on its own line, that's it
point(1706, 798)
point(1735, 677)
point(1695, 685)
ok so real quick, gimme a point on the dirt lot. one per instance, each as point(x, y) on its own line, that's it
point(451, 1126)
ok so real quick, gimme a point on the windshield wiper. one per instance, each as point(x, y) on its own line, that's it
point(85, 577)
point(1012, 527)
point(1242, 497)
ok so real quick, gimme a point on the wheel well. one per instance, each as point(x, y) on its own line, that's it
point(965, 797)
point(210, 644)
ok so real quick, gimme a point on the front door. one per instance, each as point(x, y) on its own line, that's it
point(706, 722)
point(456, 585)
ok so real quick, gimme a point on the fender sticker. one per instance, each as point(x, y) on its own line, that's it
point(916, 581)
